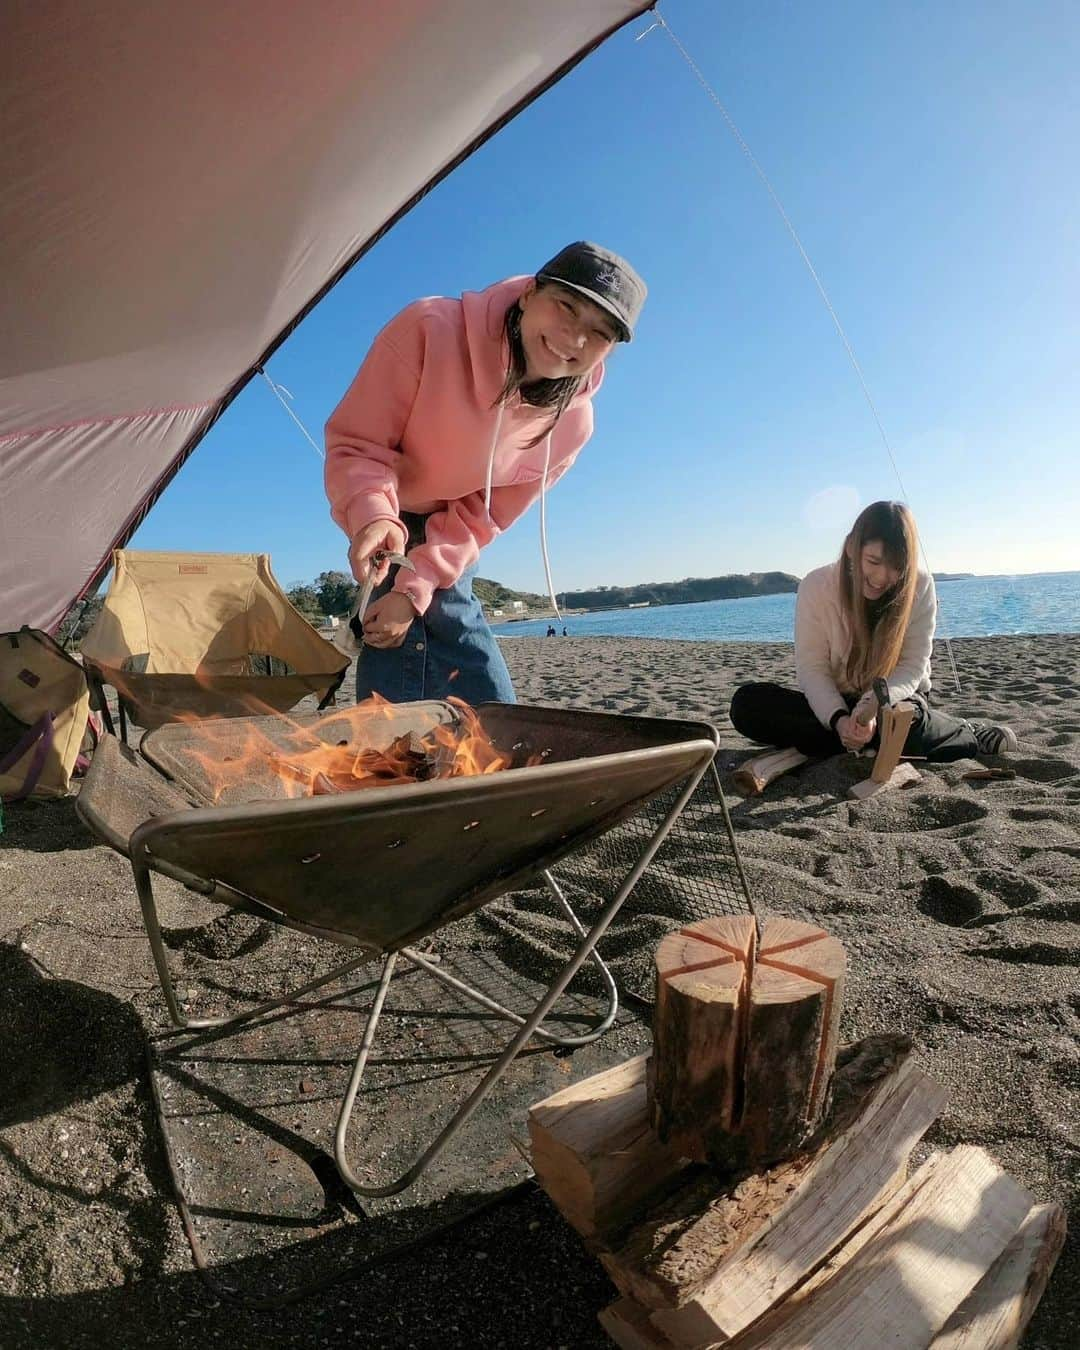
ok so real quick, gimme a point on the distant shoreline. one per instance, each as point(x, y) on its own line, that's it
point(972, 606)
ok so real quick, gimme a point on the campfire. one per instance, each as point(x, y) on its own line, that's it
point(356, 748)
point(467, 805)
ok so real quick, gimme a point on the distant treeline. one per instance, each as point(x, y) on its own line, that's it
point(332, 593)
point(691, 591)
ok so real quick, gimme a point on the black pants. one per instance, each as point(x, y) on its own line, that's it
point(773, 715)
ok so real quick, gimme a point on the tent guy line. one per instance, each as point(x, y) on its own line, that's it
point(740, 139)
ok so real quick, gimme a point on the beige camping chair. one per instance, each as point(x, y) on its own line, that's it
point(197, 635)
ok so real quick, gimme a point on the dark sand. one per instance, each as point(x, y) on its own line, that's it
point(958, 902)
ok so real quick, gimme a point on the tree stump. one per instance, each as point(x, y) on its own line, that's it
point(744, 1038)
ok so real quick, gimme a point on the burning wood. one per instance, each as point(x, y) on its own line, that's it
point(407, 759)
point(302, 761)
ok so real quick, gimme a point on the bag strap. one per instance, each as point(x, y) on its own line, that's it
point(40, 736)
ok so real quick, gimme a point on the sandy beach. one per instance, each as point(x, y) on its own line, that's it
point(958, 902)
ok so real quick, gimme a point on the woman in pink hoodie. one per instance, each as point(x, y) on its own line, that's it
point(462, 415)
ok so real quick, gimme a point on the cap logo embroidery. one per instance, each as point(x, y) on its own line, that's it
point(606, 276)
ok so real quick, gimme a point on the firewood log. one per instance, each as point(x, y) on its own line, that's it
point(925, 1253)
point(593, 1150)
point(756, 774)
point(744, 1038)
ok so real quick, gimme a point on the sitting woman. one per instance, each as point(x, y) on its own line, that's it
point(871, 613)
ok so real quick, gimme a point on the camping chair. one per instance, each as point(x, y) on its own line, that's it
point(197, 635)
point(378, 869)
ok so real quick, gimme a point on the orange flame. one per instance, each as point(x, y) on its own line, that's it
point(275, 757)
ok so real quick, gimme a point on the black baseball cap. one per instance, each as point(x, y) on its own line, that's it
point(602, 277)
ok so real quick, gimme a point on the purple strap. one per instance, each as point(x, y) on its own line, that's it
point(40, 736)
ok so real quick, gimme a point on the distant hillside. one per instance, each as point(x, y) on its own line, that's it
point(494, 595)
point(952, 576)
point(691, 591)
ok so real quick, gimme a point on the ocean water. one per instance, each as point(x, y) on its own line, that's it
point(1047, 602)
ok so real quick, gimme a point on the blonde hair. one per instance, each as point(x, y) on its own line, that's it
point(876, 651)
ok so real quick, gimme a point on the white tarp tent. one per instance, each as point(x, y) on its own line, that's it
point(179, 184)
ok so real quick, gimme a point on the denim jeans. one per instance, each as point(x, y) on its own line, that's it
point(448, 650)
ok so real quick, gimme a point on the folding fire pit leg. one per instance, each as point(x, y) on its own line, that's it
point(145, 887)
point(486, 1001)
point(526, 1030)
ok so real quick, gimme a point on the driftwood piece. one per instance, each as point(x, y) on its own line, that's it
point(595, 1153)
point(743, 1039)
point(942, 1233)
point(849, 1180)
point(756, 774)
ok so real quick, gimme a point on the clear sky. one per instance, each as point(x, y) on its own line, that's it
point(928, 156)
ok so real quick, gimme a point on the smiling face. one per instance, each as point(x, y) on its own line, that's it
point(877, 571)
point(562, 333)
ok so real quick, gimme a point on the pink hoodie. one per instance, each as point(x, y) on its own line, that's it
point(419, 423)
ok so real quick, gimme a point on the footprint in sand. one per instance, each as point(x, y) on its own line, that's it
point(1064, 815)
point(909, 812)
point(1032, 953)
point(958, 899)
point(950, 902)
point(1044, 770)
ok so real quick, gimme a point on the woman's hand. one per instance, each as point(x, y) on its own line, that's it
point(385, 536)
point(387, 620)
point(852, 735)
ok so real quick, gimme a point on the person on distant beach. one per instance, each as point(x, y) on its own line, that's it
point(464, 412)
point(871, 613)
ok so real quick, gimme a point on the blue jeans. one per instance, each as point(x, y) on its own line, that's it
point(448, 650)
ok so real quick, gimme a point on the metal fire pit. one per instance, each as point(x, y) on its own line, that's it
point(379, 868)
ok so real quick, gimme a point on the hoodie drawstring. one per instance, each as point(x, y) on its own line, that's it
point(543, 500)
point(491, 456)
point(543, 528)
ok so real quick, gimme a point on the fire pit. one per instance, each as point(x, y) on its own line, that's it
point(234, 810)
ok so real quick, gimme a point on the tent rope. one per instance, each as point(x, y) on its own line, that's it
point(695, 70)
point(281, 394)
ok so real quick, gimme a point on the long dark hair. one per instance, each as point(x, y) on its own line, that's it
point(876, 652)
point(554, 394)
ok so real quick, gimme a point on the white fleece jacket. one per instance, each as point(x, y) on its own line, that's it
point(823, 641)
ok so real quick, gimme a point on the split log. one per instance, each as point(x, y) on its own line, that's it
point(628, 1325)
point(594, 1152)
point(995, 1315)
point(673, 1253)
point(888, 772)
point(756, 774)
point(744, 1039)
point(927, 1250)
point(849, 1181)
point(695, 1071)
point(903, 776)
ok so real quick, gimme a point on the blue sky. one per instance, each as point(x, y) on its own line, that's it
point(927, 155)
